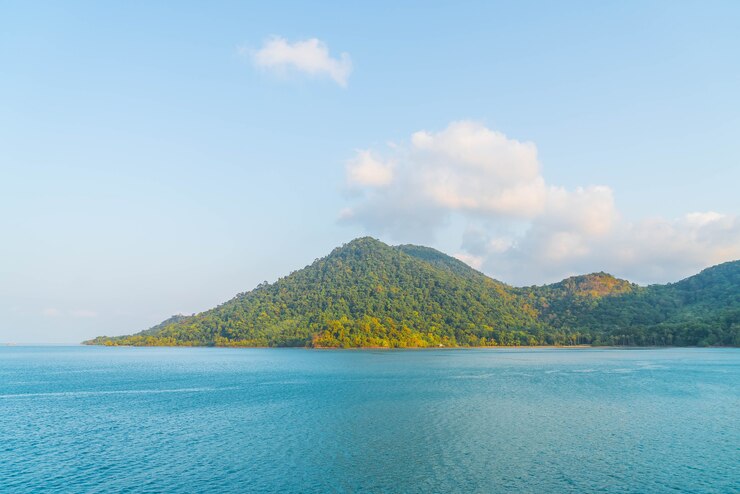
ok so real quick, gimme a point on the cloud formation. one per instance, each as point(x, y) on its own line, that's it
point(364, 170)
point(519, 228)
point(310, 56)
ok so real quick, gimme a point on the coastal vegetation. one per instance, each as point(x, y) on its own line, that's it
point(369, 294)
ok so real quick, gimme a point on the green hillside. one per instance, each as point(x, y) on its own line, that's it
point(701, 310)
point(369, 294)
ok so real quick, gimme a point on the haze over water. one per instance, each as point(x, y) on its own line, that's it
point(92, 419)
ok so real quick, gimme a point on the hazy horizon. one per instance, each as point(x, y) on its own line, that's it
point(158, 159)
point(135, 330)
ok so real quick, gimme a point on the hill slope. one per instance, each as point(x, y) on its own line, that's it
point(700, 310)
point(369, 294)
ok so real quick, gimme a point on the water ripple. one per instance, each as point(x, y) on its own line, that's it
point(211, 420)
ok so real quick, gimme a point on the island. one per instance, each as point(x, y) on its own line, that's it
point(370, 294)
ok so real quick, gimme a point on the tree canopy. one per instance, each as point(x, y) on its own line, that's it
point(369, 294)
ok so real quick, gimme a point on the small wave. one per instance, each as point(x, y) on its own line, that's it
point(101, 393)
point(651, 366)
point(282, 383)
point(472, 376)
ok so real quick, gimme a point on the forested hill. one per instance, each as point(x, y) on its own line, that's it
point(369, 294)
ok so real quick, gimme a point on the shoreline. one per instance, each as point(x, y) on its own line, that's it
point(505, 347)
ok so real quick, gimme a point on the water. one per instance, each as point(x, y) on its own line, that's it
point(92, 419)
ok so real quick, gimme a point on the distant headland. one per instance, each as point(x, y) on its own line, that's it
point(369, 294)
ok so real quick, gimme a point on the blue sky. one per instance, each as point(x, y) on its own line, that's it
point(160, 157)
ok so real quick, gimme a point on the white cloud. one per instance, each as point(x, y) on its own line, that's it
point(521, 229)
point(465, 168)
point(588, 210)
point(652, 250)
point(310, 56)
point(366, 170)
point(51, 312)
point(701, 219)
point(468, 167)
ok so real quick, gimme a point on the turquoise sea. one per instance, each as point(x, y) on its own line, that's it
point(93, 419)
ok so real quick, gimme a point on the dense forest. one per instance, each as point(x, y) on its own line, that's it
point(369, 294)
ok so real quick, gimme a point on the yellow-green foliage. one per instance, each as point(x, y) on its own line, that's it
point(367, 294)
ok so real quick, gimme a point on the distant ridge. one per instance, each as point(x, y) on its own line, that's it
point(369, 294)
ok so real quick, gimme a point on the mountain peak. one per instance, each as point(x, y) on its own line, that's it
point(369, 294)
point(363, 244)
point(595, 285)
point(365, 241)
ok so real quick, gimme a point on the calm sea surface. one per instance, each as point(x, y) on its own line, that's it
point(92, 419)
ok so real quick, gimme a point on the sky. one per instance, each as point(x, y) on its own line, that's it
point(160, 157)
